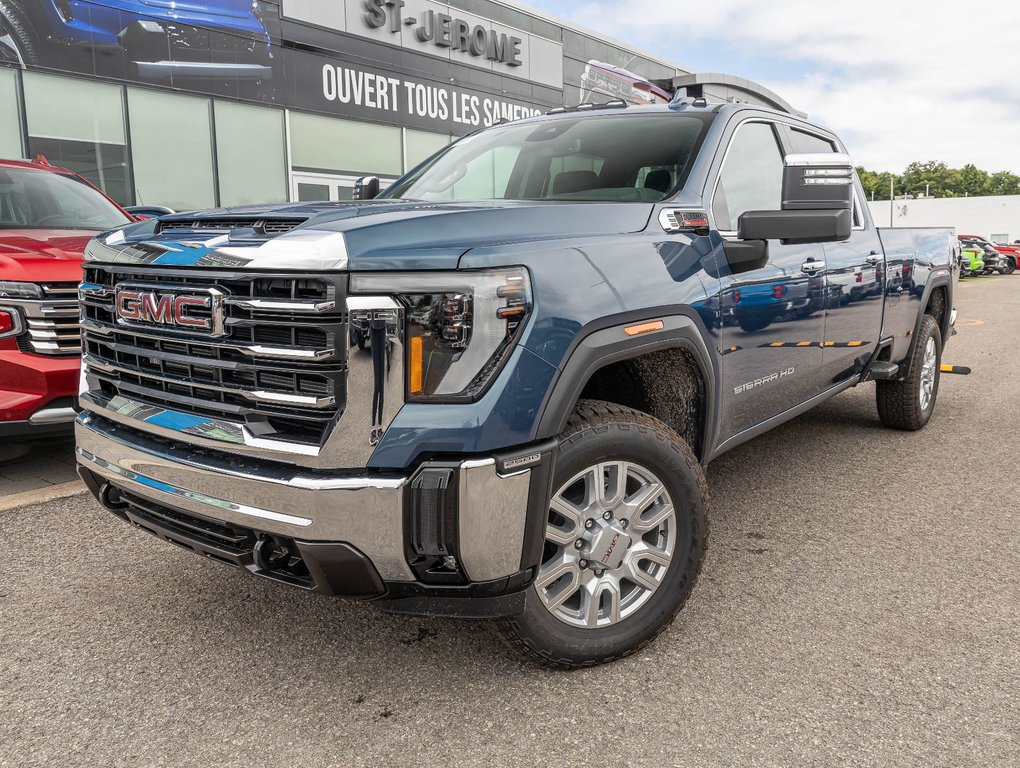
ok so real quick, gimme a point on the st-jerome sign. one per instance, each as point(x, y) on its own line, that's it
point(446, 31)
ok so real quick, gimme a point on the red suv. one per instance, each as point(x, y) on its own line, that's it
point(47, 216)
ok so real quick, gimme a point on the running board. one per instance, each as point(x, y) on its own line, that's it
point(882, 370)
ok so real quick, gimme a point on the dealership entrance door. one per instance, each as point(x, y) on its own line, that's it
point(320, 187)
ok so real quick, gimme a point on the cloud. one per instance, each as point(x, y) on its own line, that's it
point(899, 80)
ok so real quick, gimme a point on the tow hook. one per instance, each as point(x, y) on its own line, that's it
point(109, 497)
point(270, 553)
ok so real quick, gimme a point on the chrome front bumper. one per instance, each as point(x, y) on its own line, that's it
point(366, 512)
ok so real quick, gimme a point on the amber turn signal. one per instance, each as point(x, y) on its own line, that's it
point(637, 330)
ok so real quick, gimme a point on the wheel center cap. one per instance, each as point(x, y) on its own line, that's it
point(609, 546)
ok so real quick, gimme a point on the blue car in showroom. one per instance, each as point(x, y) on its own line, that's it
point(150, 40)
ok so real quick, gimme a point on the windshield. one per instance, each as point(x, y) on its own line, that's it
point(31, 199)
point(618, 158)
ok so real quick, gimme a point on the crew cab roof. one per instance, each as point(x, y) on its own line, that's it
point(682, 106)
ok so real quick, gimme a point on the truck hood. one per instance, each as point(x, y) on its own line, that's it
point(375, 235)
point(42, 256)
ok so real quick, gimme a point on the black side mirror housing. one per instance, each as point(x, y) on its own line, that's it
point(818, 203)
point(366, 188)
point(818, 181)
point(795, 227)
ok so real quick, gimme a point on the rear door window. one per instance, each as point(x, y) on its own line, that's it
point(808, 143)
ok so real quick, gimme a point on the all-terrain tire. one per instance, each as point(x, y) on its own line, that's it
point(15, 24)
point(901, 403)
point(604, 432)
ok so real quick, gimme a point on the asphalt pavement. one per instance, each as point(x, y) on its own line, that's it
point(859, 606)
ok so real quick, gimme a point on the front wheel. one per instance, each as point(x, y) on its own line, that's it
point(1008, 267)
point(625, 538)
point(909, 403)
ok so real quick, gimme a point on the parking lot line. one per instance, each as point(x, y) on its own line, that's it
point(41, 495)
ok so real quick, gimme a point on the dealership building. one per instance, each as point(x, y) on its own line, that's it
point(194, 105)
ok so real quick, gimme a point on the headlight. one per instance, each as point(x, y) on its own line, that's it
point(461, 327)
point(12, 290)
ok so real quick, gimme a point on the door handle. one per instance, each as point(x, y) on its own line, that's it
point(874, 258)
point(812, 267)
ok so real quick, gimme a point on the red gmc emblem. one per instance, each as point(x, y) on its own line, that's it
point(141, 304)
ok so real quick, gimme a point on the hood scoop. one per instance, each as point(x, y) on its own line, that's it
point(264, 228)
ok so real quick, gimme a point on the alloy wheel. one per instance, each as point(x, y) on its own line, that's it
point(610, 537)
point(928, 371)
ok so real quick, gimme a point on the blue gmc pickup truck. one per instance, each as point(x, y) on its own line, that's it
point(491, 391)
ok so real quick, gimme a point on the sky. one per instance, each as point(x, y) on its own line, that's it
point(898, 80)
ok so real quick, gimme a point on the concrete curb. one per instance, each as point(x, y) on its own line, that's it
point(42, 495)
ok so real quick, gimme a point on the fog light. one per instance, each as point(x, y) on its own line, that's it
point(432, 526)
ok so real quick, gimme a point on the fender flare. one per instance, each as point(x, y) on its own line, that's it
point(930, 286)
point(604, 342)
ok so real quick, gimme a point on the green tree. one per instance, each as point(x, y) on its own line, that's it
point(938, 180)
point(975, 181)
point(931, 177)
point(1004, 183)
point(876, 185)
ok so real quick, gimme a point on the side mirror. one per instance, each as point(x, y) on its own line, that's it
point(366, 188)
point(822, 181)
point(818, 203)
point(796, 227)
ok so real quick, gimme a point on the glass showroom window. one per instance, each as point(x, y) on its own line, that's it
point(79, 125)
point(330, 145)
point(172, 150)
point(10, 115)
point(250, 154)
point(420, 145)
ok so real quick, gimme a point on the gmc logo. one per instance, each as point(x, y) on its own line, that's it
point(173, 309)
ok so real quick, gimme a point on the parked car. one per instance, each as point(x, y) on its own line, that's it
point(995, 261)
point(972, 261)
point(1010, 253)
point(151, 40)
point(47, 216)
point(526, 440)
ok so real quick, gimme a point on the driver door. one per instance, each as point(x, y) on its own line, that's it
point(773, 317)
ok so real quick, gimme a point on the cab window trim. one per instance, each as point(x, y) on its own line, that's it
point(780, 124)
point(732, 233)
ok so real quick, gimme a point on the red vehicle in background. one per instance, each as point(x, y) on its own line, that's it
point(1011, 252)
point(47, 216)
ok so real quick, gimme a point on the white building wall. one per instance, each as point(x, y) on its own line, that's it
point(997, 216)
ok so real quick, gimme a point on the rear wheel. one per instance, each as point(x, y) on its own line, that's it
point(1008, 267)
point(625, 539)
point(909, 403)
point(18, 44)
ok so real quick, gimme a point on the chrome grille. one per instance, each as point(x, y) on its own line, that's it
point(279, 369)
point(52, 323)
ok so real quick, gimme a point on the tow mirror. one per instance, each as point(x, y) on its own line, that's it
point(818, 203)
point(366, 188)
point(818, 182)
point(796, 227)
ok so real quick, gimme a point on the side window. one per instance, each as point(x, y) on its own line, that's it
point(751, 177)
point(806, 143)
